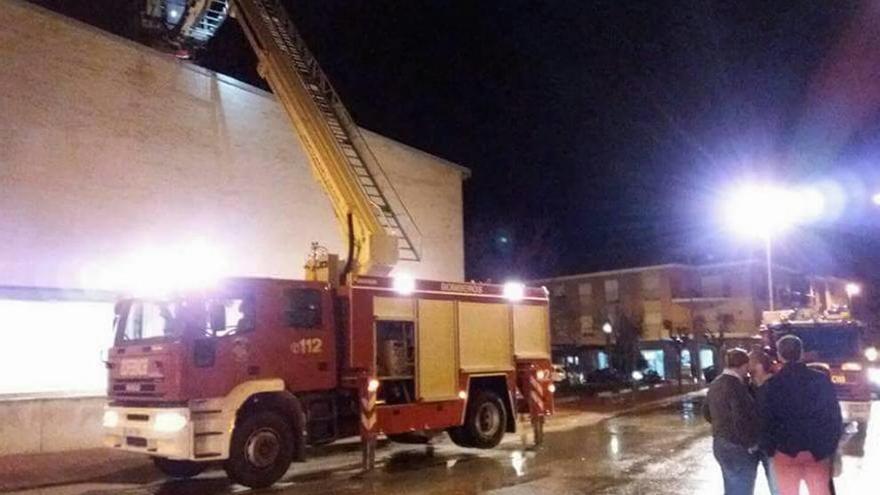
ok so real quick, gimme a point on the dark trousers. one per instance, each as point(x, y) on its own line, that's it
point(738, 467)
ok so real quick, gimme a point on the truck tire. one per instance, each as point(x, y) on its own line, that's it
point(261, 450)
point(179, 469)
point(484, 422)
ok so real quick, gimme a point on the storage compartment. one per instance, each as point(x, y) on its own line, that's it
point(396, 361)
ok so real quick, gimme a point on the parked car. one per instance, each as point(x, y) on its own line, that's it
point(607, 379)
point(710, 373)
point(558, 374)
point(651, 377)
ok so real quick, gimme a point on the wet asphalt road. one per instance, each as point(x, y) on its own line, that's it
point(662, 451)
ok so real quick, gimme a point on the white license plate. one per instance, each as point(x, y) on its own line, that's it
point(134, 367)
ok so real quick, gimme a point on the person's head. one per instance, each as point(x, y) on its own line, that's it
point(790, 349)
point(738, 360)
point(760, 364)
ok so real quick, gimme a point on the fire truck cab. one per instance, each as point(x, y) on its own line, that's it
point(252, 371)
point(833, 344)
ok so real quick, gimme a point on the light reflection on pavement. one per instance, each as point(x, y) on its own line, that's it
point(662, 451)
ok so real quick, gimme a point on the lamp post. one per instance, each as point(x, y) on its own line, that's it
point(768, 246)
point(607, 329)
point(852, 289)
point(766, 210)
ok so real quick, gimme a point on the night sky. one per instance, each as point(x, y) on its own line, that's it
point(602, 133)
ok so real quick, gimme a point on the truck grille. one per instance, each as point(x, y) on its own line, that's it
point(148, 388)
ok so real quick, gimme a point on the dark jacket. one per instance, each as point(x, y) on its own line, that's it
point(732, 411)
point(800, 412)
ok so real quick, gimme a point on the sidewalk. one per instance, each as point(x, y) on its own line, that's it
point(19, 472)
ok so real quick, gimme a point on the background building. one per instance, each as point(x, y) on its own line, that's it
point(108, 147)
point(711, 306)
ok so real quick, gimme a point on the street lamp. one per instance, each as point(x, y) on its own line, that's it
point(765, 210)
point(607, 329)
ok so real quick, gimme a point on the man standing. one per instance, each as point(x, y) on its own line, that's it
point(731, 410)
point(801, 422)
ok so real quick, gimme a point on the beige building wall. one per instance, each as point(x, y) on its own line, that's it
point(689, 299)
point(107, 146)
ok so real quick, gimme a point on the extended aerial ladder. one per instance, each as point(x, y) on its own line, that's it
point(379, 229)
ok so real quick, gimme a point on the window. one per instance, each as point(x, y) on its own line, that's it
point(303, 308)
point(558, 290)
point(586, 325)
point(711, 285)
point(654, 319)
point(656, 361)
point(150, 320)
point(585, 294)
point(231, 316)
point(651, 285)
point(707, 358)
point(612, 291)
point(602, 360)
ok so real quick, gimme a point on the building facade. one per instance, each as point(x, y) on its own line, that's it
point(108, 147)
point(703, 307)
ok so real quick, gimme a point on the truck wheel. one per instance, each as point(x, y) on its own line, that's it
point(179, 469)
point(261, 450)
point(484, 422)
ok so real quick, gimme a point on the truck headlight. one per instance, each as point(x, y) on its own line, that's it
point(111, 419)
point(874, 375)
point(169, 422)
point(851, 367)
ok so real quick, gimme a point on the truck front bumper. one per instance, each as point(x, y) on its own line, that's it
point(858, 411)
point(162, 432)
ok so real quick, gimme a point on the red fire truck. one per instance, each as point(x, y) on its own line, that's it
point(832, 343)
point(251, 372)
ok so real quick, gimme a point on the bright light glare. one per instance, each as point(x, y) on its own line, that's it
point(607, 328)
point(764, 210)
point(637, 375)
point(373, 386)
point(158, 271)
point(876, 199)
point(173, 13)
point(518, 462)
point(540, 374)
point(111, 419)
point(851, 367)
point(514, 291)
point(169, 422)
point(871, 354)
point(552, 388)
point(404, 284)
point(77, 331)
point(874, 375)
point(462, 395)
point(853, 289)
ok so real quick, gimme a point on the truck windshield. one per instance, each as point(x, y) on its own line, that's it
point(834, 343)
point(216, 317)
point(151, 320)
